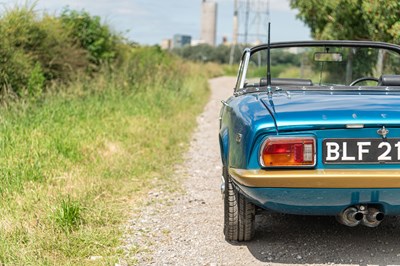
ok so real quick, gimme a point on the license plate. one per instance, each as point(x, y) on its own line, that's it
point(371, 151)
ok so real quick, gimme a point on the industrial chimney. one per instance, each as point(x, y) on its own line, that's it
point(208, 21)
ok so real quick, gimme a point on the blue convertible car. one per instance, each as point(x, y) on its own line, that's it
point(312, 128)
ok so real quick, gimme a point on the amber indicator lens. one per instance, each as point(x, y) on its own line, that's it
point(284, 151)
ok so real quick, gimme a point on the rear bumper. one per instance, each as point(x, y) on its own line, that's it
point(331, 178)
point(319, 192)
point(322, 201)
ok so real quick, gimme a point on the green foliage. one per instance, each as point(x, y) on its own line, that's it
point(221, 54)
point(68, 215)
point(383, 18)
point(351, 19)
point(142, 61)
point(280, 57)
point(36, 46)
point(60, 58)
point(259, 72)
point(231, 70)
point(15, 68)
point(207, 53)
point(36, 81)
point(91, 35)
point(15, 65)
point(74, 163)
point(75, 158)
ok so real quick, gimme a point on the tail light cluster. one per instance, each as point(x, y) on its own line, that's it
point(288, 152)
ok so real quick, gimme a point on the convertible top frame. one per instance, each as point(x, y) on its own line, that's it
point(330, 43)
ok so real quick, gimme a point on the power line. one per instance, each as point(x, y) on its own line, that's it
point(250, 23)
point(256, 16)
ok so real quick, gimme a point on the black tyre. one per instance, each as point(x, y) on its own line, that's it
point(239, 213)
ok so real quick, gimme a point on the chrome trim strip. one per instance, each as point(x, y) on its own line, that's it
point(305, 178)
point(354, 126)
point(246, 64)
point(224, 103)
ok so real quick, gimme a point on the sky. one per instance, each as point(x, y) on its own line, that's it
point(150, 21)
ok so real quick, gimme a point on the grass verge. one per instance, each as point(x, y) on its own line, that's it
point(72, 164)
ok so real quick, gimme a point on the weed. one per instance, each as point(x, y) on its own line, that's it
point(68, 216)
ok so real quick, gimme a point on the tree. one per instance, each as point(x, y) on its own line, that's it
point(351, 19)
point(207, 53)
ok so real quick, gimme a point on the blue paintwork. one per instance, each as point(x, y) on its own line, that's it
point(322, 201)
point(322, 114)
point(322, 134)
point(246, 115)
point(326, 109)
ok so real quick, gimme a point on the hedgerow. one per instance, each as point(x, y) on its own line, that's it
point(37, 49)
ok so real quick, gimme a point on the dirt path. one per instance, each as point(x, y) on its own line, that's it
point(186, 228)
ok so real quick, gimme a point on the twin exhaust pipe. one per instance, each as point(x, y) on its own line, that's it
point(356, 215)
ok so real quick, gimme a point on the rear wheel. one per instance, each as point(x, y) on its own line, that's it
point(239, 213)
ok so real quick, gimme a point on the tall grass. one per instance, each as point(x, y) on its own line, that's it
point(86, 128)
point(73, 163)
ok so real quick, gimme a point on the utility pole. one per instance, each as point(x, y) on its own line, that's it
point(235, 32)
point(246, 25)
point(235, 23)
point(253, 16)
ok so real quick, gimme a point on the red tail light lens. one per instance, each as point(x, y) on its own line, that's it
point(288, 152)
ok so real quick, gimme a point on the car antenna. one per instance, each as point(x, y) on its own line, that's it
point(269, 59)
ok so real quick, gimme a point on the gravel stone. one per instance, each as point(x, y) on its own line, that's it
point(185, 228)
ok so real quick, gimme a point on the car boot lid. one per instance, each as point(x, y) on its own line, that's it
point(324, 109)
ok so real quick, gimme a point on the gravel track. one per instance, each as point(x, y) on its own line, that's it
point(186, 228)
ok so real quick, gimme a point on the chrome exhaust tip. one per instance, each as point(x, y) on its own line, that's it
point(350, 217)
point(373, 217)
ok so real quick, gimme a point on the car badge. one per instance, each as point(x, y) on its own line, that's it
point(383, 132)
point(238, 137)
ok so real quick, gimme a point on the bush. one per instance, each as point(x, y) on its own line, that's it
point(31, 44)
point(15, 67)
point(59, 55)
point(91, 35)
point(36, 82)
point(206, 53)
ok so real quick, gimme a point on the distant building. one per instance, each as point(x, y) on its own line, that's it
point(197, 42)
point(180, 41)
point(208, 21)
point(166, 44)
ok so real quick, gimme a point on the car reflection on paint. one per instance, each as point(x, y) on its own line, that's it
point(321, 137)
